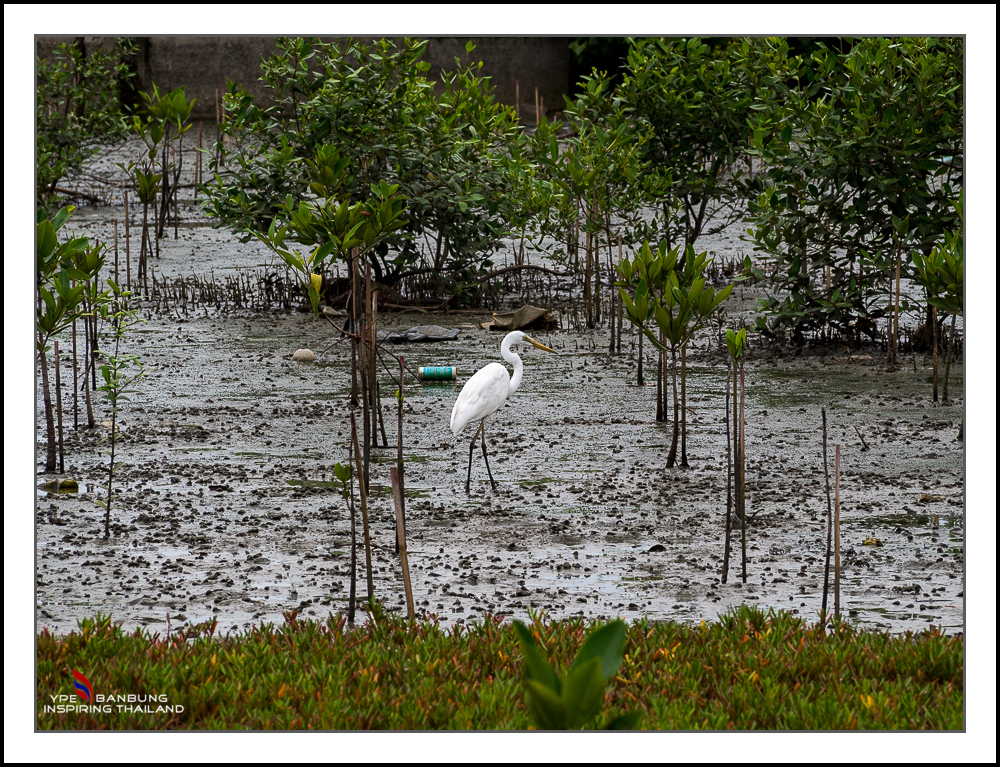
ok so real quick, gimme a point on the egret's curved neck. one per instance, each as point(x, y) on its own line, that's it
point(513, 359)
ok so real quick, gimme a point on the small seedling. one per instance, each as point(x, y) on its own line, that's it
point(571, 701)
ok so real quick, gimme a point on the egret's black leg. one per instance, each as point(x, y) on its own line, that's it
point(472, 446)
point(494, 484)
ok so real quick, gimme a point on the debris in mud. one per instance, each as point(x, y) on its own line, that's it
point(420, 333)
point(527, 317)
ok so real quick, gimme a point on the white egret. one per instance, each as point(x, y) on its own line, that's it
point(485, 392)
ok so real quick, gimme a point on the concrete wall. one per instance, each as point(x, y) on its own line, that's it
point(203, 64)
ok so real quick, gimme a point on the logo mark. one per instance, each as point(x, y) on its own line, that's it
point(82, 685)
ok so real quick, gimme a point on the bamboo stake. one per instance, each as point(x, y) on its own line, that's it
point(76, 382)
point(364, 509)
point(661, 413)
point(836, 534)
point(128, 253)
point(895, 324)
point(352, 597)
point(587, 294)
point(829, 526)
point(117, 281)
point(517, 99)
point(639, 381)
point(178, 157)
point(364, 358)
point(59, 413)
point(618, 298)
point(404, 562)
point(684, 423)
point(197, 167)
point(934, 340)
point(948, 357)
point(354, 328)
point(742, 470)
point(730, 375)
point(596, 255)
point(399, 443)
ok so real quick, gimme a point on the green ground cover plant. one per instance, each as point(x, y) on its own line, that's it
point(749, 670)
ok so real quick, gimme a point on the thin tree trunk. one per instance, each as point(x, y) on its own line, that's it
point(50, 424)
point(934, 337)
point(672, 456)
point(684, 454)
point(59, 414)
point(731, 375)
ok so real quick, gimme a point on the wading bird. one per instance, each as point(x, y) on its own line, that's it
point(485, 392)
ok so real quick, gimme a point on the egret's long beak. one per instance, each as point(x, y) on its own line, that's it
point(543, 347)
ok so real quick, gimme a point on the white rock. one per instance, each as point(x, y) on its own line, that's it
point(303, 355)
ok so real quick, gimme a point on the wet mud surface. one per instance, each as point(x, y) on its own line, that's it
point(226, 506)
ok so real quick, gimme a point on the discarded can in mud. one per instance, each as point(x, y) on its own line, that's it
point(437, 373)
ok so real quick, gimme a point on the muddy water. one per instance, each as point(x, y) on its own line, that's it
point(226, 506)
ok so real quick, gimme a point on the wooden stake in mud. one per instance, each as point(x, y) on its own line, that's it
point(59, 418)
point(352, 597)
point(364, 358)
point(661, 413)
point(364, 509)
point(829, 527)
point(618, 298)
point(117, 281)
point(404, 563)
point(354, 327)
point(948, 357)
point(76, 382)
point(128, 252)
point(178, 157)
point(684, 423)
point(836, 533)
point(639, 380)
point(895, 314)
point(743, 469)
point(731, 375)
point(197, 167)
point(934, 340)
point(588, 301)
point(399, 447)
point(517, 99)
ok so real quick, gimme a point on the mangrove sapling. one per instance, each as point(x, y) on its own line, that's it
point(335, 226)
point(671, 291)
point(120, 373)
point(171, 110)
point(59, 298)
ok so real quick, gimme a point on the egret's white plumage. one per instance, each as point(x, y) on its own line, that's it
point(486, 391)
